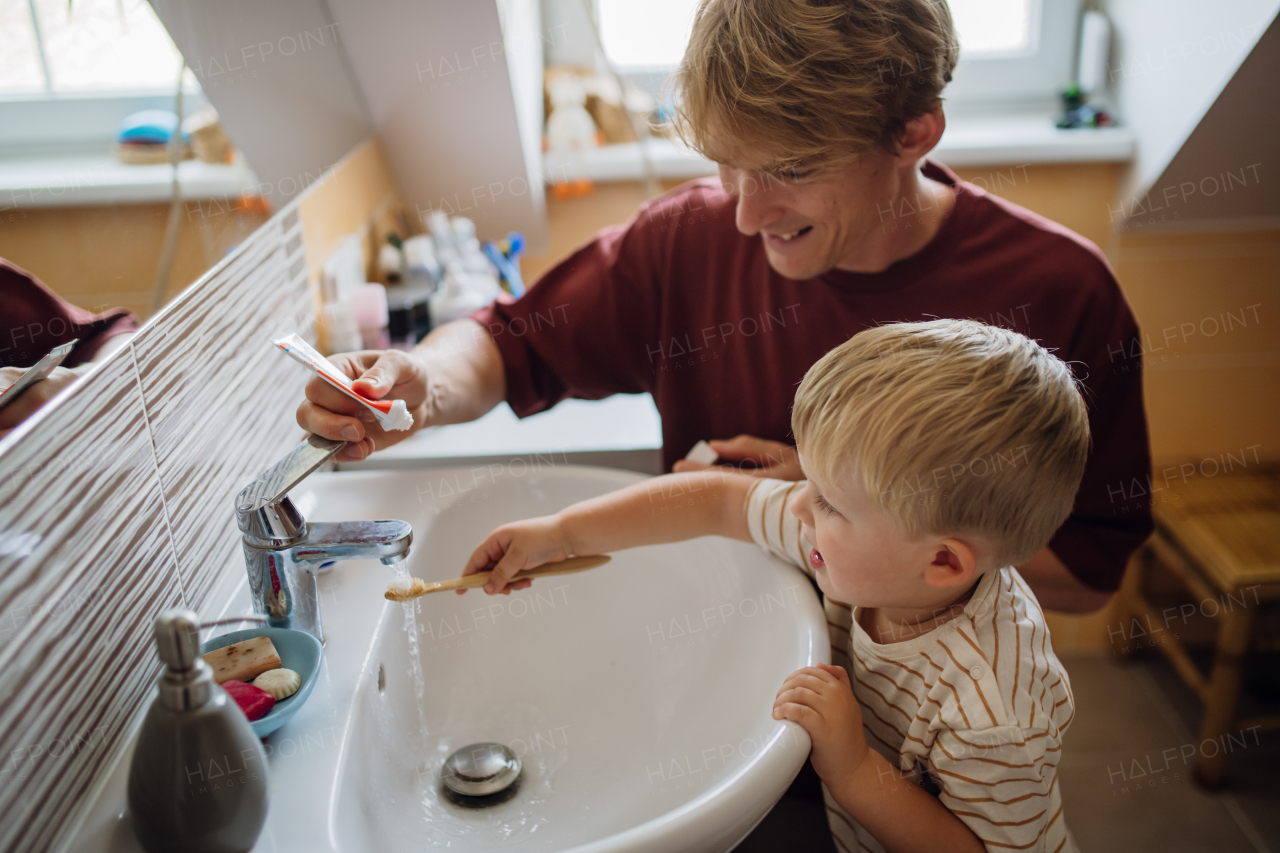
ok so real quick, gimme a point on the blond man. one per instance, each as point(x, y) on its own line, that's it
point(826, 219)
point(940, 724)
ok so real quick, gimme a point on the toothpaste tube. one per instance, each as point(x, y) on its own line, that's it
point(391, 414)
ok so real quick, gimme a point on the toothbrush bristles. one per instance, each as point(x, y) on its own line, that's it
point(416, 588)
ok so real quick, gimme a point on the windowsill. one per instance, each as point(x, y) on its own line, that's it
point(996, 140)
point(971, 141)
point(85, 179)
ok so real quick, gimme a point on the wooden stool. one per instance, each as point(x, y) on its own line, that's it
point(1220, 537)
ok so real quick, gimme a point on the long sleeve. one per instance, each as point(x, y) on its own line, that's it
point(583, 328)
point(35, 320)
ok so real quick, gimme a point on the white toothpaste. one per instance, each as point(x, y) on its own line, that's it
point(391, 414)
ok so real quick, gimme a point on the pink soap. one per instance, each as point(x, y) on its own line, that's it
point(254, 701)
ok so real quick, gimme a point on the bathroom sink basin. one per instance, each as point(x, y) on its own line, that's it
point(637, 694)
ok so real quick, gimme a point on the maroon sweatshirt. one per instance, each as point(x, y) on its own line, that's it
point(678, 303)
point(34, 320)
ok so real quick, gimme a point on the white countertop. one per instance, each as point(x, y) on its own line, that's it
point(622, 431)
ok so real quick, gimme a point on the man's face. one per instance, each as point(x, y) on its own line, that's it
point(812, 222)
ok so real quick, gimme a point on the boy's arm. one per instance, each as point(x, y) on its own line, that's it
point(670, 508)
point(897, 813)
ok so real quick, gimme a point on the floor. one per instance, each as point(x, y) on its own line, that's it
point(1124, 783)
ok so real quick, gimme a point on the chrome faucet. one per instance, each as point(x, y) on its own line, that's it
point(282, 551)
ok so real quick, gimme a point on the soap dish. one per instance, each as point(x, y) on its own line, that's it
point(298, 650)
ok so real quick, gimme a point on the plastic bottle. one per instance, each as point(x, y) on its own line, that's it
point(341, 332)
point(457, 297)
point(391, 263)
point(422, 267)
point(441, 228)
point(369, 307)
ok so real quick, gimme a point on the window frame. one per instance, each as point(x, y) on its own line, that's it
point(1033, 76)
point(49, 122)
point(1011, 80)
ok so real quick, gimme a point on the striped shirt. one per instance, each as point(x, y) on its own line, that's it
point(974, 710)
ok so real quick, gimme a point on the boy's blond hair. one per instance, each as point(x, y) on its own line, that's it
point(808, 83)
point(952, 427)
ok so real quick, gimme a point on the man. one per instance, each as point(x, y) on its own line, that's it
point(34, 320)
point(716, 297)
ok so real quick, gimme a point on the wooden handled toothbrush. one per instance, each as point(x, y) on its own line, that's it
point(417, 587)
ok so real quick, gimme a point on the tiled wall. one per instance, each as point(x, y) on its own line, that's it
point(116, 502)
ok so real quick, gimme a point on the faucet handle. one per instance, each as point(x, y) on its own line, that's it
point(274, 484)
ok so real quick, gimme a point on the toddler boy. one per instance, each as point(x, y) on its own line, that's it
point(939, 456)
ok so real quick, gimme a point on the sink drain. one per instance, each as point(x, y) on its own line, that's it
point(481, 774)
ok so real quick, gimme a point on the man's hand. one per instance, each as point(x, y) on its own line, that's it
point(820, 698)
point(515, 547)
point(391, 374)
point(771, 458)
point(31, 400)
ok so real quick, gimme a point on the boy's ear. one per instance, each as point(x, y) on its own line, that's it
point(954, 564)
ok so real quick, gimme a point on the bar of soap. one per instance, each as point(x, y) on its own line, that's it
point(254, 701)
point(243, 661)
point(280, 683)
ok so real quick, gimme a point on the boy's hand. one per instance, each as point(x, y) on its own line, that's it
point(820, 698)
point(515, 547)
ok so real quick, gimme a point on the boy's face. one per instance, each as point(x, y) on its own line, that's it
point(859, 556)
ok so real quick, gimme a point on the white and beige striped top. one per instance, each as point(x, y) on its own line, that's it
point(974, 710)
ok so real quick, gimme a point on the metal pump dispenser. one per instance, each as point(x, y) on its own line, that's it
point(198, 779)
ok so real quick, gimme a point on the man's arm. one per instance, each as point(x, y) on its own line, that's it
point(455, 374)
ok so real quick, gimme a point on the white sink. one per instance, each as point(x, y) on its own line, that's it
point(638, 695)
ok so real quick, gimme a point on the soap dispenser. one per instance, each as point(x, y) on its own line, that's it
point(198, 780)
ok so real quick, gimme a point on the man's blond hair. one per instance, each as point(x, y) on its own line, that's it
point(809, 83)
point(952, 427)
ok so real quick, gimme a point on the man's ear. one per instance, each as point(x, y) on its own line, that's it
point(954, 564)
point(920, 135)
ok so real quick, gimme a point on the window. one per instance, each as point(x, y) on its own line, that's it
point(645, 35)
point(988, 27)
point(70, 70)
point(56, 46)
point(1011, 50)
